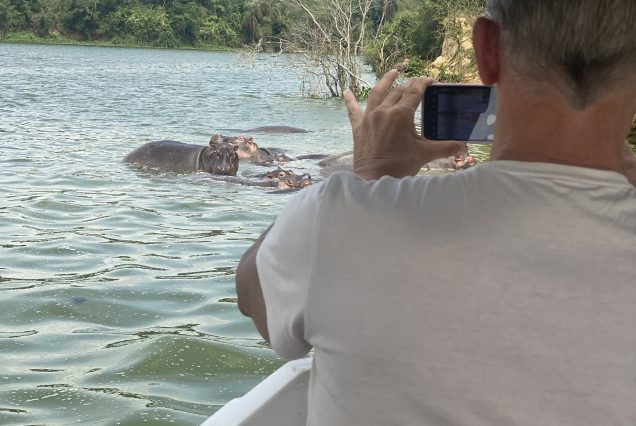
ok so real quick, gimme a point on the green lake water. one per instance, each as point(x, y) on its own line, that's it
point(117, 299)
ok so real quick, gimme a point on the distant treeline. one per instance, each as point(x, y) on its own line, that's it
point(172, 23)
point(168, 23)
point(397, 32)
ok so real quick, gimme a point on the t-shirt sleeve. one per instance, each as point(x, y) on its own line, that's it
point(284, 269)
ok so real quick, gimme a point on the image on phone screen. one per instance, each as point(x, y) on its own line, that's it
point(460, 112)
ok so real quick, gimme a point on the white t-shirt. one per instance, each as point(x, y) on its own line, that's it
point(502, 295)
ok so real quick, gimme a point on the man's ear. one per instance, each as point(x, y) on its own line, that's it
point(486, 45)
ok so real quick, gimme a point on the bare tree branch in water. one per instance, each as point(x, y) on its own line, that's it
point(331, 38)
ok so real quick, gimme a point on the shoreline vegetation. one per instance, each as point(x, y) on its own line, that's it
point(25, 37)
point(338, 37)
point(417, 37)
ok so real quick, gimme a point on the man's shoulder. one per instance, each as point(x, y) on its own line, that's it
point(488, 181)
point(346, 184)
point(348, 181)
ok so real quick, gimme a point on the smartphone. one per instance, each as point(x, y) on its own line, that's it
point(461, 112)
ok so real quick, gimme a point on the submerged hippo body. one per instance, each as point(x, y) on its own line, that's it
point(344, 161)
point(335, 163)
point(178, 157)
point(276, 129)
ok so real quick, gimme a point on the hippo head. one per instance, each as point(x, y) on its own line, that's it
point(281, 157)
point(279, 173)
point(246, 146)
point(288, 179)
point(220, 158)
point(218, 138)
point(295, 181)
point(462, 162)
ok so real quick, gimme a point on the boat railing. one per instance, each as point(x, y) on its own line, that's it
point(279, 400)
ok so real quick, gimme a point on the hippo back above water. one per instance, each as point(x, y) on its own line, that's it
point(219, 158)
point(276, 129)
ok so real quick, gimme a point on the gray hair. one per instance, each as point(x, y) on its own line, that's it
point(581, 47)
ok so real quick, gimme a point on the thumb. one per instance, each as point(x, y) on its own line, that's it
point(441, 149)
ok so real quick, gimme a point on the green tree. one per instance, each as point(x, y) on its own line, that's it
point(10, 18)
point(417, 34)
point(217, 32)
point(382, 11)
point(81, 18)
point(265, 20)
point(149, 25)
point(412, 34)
point(185, 20)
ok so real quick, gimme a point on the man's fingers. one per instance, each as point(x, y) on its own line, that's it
point(394, 96)
point(379, 91)
point(355, 114)
point(410, 94)
point(413, 93)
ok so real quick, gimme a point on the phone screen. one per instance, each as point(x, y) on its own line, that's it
point(462, 112)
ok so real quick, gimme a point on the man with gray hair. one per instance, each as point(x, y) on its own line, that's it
point(503, 295)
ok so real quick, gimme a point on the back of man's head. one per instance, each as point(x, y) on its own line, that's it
point(581, 47)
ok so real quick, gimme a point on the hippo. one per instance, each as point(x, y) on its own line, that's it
point(219, 158)
point(248, 150)
point(278, 178)
point(276, 129)
point(269, 156)
point(344, 161)
point(456, 162)
point(289, 178)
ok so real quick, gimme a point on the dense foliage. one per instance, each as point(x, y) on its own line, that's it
point(404, 27)
point(332, 34)
point(167, 23)
point(417, 32)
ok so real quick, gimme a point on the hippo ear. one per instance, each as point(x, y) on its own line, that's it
point(236, 147)
point(216, 138)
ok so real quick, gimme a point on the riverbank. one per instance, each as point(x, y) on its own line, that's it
point(32, 38)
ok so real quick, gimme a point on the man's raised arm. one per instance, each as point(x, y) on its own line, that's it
point(248, 288)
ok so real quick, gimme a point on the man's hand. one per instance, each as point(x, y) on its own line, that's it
point(385, 141)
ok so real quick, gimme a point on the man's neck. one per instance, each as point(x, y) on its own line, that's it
point(529, 128)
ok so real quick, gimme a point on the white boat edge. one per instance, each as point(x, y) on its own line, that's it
point(279, 400)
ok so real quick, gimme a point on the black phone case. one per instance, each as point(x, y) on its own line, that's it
point(431, 109)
